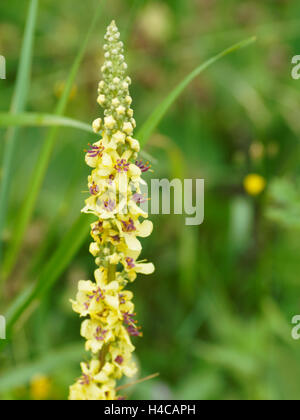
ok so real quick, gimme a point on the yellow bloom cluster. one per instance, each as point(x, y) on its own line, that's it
point(115, 199)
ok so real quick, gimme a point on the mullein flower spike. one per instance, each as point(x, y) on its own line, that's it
point(114, 185)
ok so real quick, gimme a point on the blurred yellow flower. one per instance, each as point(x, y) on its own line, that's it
point(156, 22)
point(254, 184)
point(40, 387)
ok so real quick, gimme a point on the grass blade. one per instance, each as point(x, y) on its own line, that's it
point(153, 121)
point(40, 170)
point(18, 105)
point(29, 119)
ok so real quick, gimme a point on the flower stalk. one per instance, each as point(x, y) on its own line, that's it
point(114, 184)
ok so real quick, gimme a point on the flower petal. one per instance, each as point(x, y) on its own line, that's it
point(133, 243)
point(145, 229)
point(145, 268)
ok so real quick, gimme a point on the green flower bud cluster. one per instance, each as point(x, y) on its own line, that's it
point(113, 91)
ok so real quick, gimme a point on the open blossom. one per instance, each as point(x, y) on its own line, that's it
point(115, 198)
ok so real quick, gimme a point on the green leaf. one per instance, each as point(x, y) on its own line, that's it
point(41, 120)
point(239, 361)
point(155, 118)
point(55, 359)
point(284, 203)
point(41, 167)
point(18, 105)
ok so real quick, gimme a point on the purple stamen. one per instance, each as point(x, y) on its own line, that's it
point(98, 294)
point(130, 324)
point(130, 262)
point(98, 228)
point(128, 226)
point(129, 318)
point(119, 360)
point(143, 167)
point(94, 150)
point(122, 165)
point(85, 380)
point(116, 238)
point(109, 205)
point(134, 331)
point(100, 334)
point(122, 300)
point(94, 189)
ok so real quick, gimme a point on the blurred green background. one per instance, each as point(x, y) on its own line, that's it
point(216, 314)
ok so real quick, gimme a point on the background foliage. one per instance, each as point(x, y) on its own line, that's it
point(217, 313)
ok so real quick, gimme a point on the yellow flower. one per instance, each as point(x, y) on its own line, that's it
point(121, 359)
point(130, 228)
point(40, 387)
point(96, 335)
point(86, 388)
point(254, 184)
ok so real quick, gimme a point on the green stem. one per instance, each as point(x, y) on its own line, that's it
point(102, 355)
point(111, 272)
